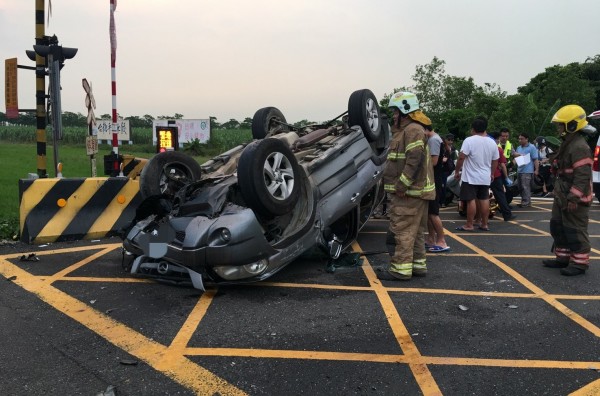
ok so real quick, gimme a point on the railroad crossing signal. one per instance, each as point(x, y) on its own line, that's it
point(90, 104)
point(91, 141)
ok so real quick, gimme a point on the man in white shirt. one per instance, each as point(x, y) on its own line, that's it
point(479, 156)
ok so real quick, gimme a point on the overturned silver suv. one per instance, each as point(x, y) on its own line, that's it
point(245, 214)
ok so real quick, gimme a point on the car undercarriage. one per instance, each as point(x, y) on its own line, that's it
point(245, 214)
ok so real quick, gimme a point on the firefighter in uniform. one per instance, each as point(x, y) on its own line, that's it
point(572, 166)
point(409, 182)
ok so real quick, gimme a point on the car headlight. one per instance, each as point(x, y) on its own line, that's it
point(257, 267)
point(242, 271)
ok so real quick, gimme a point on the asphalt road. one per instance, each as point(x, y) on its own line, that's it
point(487, 320)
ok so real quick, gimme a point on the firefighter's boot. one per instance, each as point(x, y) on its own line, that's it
point(555, 263)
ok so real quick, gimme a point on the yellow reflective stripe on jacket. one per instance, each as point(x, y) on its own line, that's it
point(405, 180)
point(393, 156)
point(417, 192)
point(409, 167)
point(389, 187)
point(429, 187)
point(413, 145)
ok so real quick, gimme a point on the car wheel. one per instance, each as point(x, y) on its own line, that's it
point(363, 111)
point(268, 122)
point(167, 172)
point(269, 177)
point(597, 191)
point(380, 146)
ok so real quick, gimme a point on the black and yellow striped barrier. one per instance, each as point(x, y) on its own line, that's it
point(54, 210)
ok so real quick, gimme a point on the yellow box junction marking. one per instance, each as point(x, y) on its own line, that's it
point(181, 369)
point(172, 361)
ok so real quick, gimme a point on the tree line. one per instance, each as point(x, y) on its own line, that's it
point(70, 119)
point(452, 101)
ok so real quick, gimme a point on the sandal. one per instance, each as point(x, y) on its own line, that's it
point(461, 228)
point(438, 249)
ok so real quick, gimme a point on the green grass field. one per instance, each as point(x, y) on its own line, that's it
point(20, 159)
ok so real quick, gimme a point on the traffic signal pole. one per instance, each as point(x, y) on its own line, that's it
point(55, 55)
point(55, 103)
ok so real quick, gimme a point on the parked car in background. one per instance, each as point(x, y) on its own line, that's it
point(247, 213)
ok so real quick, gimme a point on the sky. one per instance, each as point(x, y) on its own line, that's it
point(229, 58)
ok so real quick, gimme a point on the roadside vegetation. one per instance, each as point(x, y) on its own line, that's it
point(453, 101)
point(19, 158)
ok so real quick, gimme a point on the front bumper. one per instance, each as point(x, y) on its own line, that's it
point(230, 247)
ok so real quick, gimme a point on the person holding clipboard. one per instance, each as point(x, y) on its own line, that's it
point(526, 159)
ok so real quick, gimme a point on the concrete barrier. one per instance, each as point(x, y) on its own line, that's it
point(54, 210)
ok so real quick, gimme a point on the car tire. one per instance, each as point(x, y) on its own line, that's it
point(364, 111)
point(597, 191)
point(381, 145)
point(268, 122)
point(269, 177)
point(167, 172)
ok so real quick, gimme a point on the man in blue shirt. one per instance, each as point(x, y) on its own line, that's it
point(528, 168)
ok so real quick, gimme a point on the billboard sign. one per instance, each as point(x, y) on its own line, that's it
point(105, 130)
